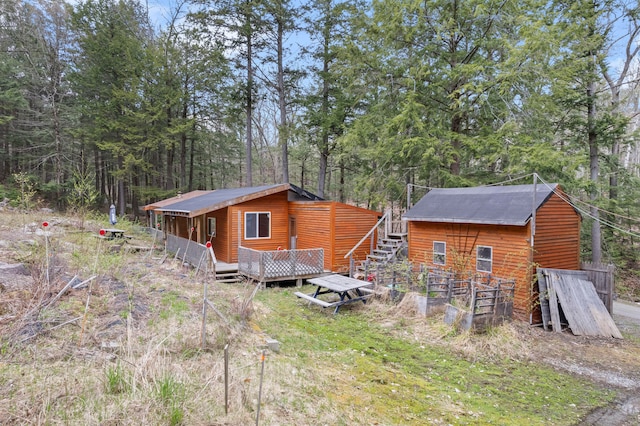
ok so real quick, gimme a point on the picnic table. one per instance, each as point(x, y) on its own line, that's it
point(112, 233)
point(349, 290)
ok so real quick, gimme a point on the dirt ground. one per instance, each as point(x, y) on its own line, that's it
point(612, 362)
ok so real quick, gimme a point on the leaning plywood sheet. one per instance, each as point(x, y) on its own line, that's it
point(582, 307)
point(548, 301)
point(545, 293)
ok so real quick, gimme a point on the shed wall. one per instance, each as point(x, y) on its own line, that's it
point(557, 241)
point(557, 237)
point(510, 248)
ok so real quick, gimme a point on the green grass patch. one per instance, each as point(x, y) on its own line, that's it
point(394, 380)
point(171, 394)
point(173, 305)
point(116, 380)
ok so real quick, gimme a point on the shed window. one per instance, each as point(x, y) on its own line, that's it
point(439, 253)
point(211, 229)
point(257, 225)
point(484, 259)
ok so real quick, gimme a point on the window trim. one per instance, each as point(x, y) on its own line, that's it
point(438, 255)
point(484, 259)
point(257, 215)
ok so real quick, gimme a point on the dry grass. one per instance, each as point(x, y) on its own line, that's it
point(127, 349)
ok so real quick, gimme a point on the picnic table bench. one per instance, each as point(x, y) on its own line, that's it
point(349, 290)
point(113, 234)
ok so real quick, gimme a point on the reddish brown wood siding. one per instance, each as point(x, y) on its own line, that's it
point(278, 206)
point(334, 227)
point(557, 238)
point(313, 223)
point(220, 242)
point(556, 245)
point(181, 226)
point(509, 245)
point(510, 250)
point(351, 224)
point(557, 241)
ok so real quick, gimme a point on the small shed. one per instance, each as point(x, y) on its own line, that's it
point(265, 218)
point(504, 231)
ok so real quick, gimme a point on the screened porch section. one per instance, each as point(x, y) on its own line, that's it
point(280, 265)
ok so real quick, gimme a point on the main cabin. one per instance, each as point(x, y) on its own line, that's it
point(504, 231)
point(271, 217)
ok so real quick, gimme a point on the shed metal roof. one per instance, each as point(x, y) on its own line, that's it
point(494, 205)
point(220, 198)
point(162, 203)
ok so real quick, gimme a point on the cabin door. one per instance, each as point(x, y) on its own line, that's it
point(293, 233)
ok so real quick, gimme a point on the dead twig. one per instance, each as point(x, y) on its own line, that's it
point(61, 292)
point(50, 329)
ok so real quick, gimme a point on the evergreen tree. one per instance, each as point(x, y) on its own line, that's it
point(108, 78)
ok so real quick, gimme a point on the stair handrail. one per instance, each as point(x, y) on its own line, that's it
point(368, 234)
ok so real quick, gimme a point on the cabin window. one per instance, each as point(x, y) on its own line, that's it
point(484, 259)
point(211, 228)
point(257, 225)
point(439, 253)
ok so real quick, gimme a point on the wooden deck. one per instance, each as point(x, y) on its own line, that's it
point(280, 265)
point(223, 267)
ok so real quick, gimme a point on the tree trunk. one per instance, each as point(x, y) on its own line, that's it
point(341, 196)
point(284, 130)
point(249, 107)
point(169, 173)
point(193, 151)
point(122, 206)
point(594, 169)
point(456, 128)
point(183, 140)
point(324, 150)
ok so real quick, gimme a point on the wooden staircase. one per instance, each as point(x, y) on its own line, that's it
point(387, 250)
point(229, 277)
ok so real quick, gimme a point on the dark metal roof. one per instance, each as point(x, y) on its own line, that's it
point(220, 198)
point(495, 205)
point(175, 199)
point(298, 194)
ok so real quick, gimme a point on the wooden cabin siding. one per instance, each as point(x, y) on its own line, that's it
point(557, 238)
point(313, 222)
point(510, 251)
point(351, 224)
point(276, 204)
point(220, 242)
point(557, 242)
point(180, 226)
point(334, 227)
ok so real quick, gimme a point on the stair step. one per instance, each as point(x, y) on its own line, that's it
point(388, 246)
point(380, 252)
point(386, 241)
point(229, 277)
point(376, 257)
point(397, 235)
point(228, 280)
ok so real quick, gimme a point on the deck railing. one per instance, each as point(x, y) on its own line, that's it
point(187, 250)
point(279, 265)
point(383, 228)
